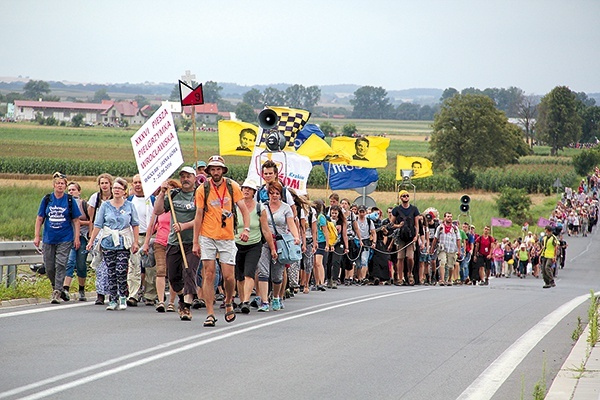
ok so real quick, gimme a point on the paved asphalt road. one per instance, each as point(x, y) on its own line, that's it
point(351, 343)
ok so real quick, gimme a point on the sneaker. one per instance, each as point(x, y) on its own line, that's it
point(481, 283)
point(321, 288)
point(547, 286)
point(264, 307)
point(171, 307)
point(185, 314)
point(334, 285)
point(99, 300)
point(256, 302)
point(553, 284)
point(132, 302)
point(112, 306)
point(55, 297)
point(219, 297)
point(160, 307)
point(275, 304)
point(123, 303)
point(281, 304)
point(65, 295)
point(149, 302)
point(245, 308)
point(82, 296)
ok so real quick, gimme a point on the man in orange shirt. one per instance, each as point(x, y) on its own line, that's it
point(214, 224)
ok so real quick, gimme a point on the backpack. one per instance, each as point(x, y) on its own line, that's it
point(233, 207)
point(407, 232)
point(333, 233)
point(47, 198)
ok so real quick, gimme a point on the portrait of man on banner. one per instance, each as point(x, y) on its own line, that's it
point(247, 140)
point(361, 145)
point(237, 138)
point(422, 167)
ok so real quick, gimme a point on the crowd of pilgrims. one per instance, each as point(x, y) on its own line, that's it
point(398, 245)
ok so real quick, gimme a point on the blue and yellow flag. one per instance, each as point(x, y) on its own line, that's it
point(237, 138)
point(366, 151)
point(421, 167)
point(291, 121)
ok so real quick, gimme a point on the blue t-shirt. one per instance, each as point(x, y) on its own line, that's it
point(58, 224)
point(117, 219)
point(321, 224)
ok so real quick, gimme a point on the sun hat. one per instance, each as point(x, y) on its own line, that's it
point(250, 183)
point(217, 161)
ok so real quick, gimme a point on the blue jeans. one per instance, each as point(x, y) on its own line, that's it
point(78, 258)
point(464, 267)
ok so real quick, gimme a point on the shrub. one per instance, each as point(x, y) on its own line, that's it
point(514, 204)
point(585, 161)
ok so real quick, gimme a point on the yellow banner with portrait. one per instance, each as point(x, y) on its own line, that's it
point(365, 151)
point(237, 138)
point(421, 167)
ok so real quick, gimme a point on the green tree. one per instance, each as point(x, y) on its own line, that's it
point(585, 161)
point(328, 128)
point(559, 123)
point(12, 96)
point(294, 96)
point(211, 91)
point(254, 97)
point(174, 96)
point(527, 113)
point(273, 97)
point(371, 102)
point(100, 95)
point(141, 101)
point(408, 111)
point(312, 96)
point(469, 132)
point(349, 129)
point(590, 130)
point(36, 89)
point(245, 112)
point(77, 119)
point(447, 94)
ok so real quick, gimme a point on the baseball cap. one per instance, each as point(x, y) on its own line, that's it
point(403, 192)
point(189, 170)
point(199, 164)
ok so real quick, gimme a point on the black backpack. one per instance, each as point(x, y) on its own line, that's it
point(47, 198)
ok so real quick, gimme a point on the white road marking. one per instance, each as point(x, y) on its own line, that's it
point(223, 333)
point(490, 380)
point(45, 309)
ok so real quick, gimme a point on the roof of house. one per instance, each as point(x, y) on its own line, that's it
point(206, 108)
point(62, 105)
point(125, 108)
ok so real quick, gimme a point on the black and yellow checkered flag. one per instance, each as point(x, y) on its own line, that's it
point(291, 121)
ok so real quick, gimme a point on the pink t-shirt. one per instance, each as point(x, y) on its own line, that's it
point(163, 229)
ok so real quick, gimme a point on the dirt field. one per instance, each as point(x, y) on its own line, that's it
point(88, 184)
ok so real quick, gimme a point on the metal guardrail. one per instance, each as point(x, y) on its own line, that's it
point(13, 254)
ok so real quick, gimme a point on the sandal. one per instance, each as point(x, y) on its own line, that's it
point(171, 307)
point(210, 321)
point(411, 281)
point(230, 314)
point(160, 307)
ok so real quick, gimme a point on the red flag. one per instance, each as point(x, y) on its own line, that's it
point(503, 222)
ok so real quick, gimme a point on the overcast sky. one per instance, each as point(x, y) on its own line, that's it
point(396, 44)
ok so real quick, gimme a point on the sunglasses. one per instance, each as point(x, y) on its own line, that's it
point(59, 175)
point(404, 195)
point(223, 221)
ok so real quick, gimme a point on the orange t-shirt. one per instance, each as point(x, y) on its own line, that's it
point(218, 200)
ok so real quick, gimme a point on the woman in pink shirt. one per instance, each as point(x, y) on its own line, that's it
point(161, 225)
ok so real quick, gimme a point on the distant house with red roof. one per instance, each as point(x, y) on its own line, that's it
point(108, 112)
point(207, 112)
